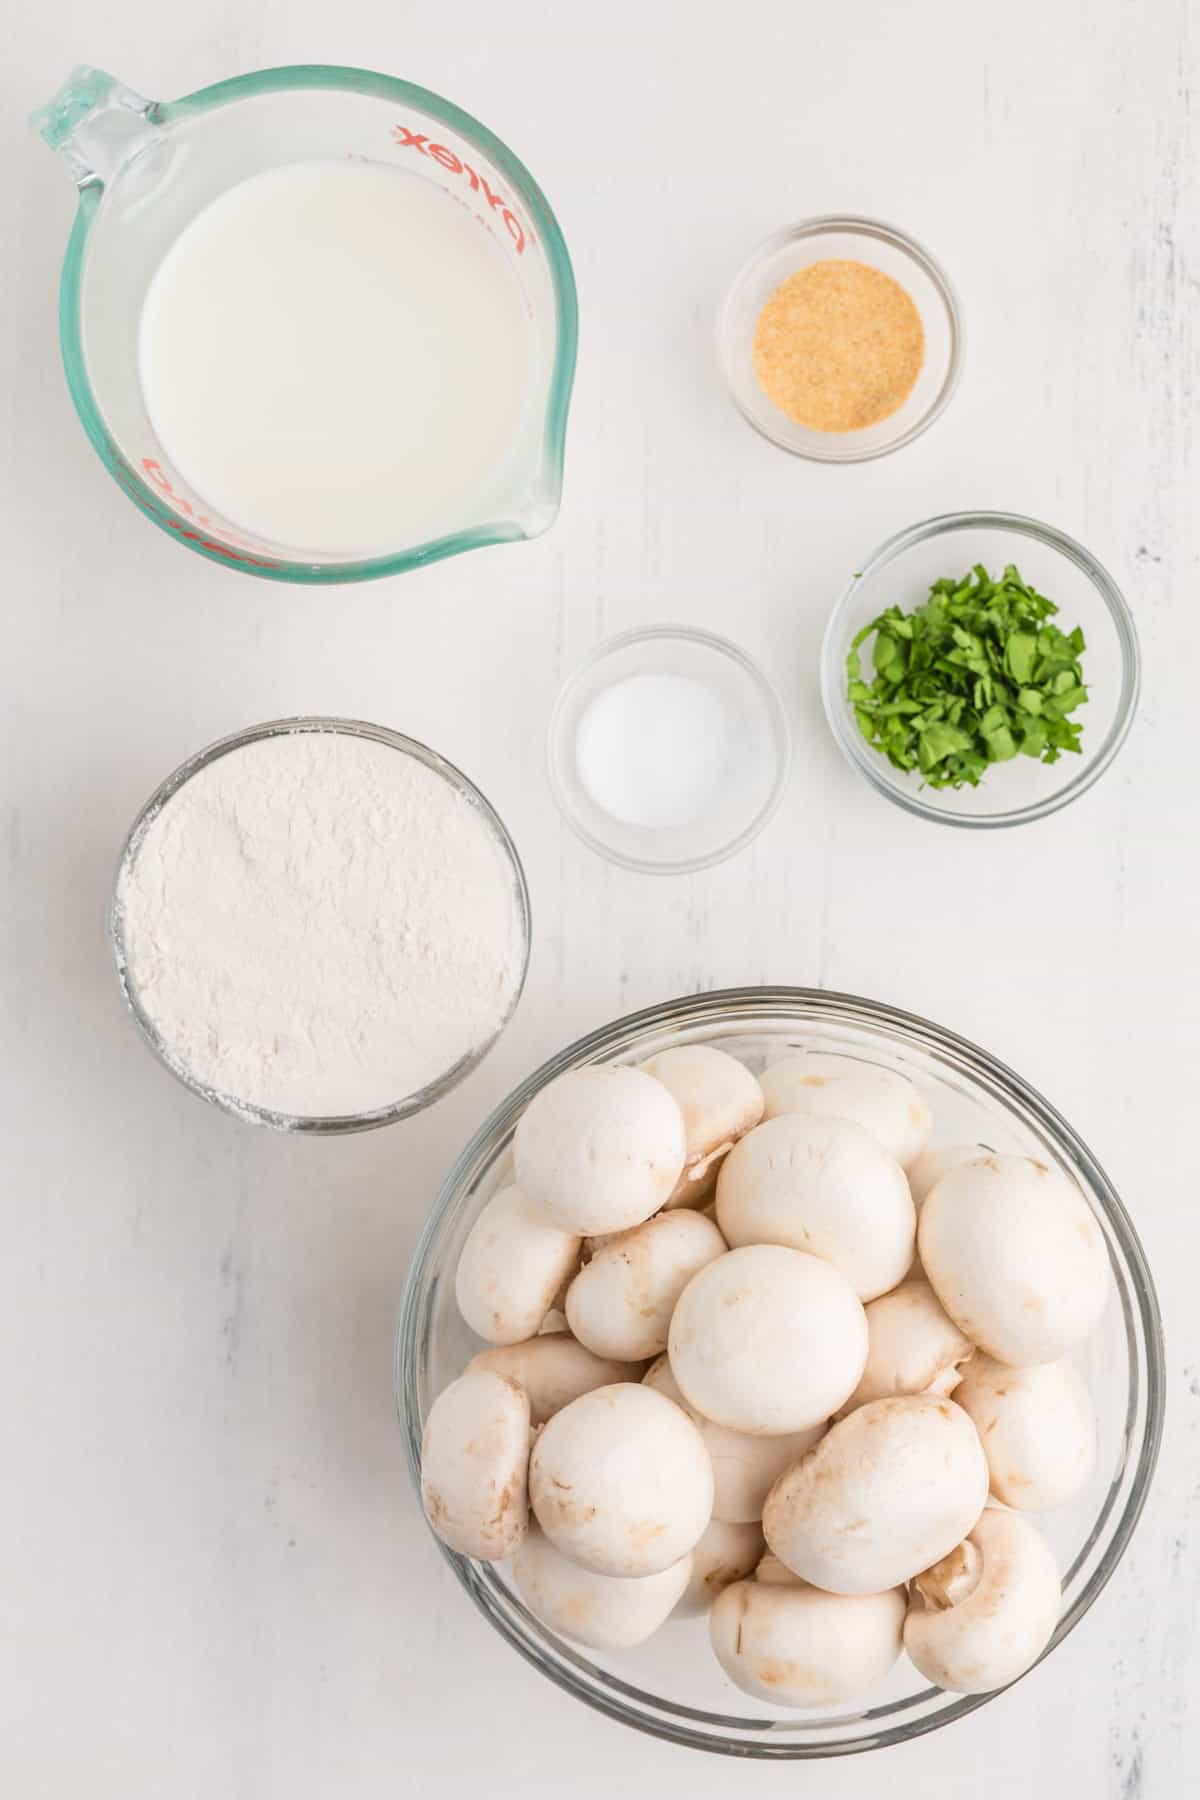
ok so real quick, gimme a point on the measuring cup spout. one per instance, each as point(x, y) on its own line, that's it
point(96, 124)
point(540, 510)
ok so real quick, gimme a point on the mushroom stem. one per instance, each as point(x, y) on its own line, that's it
point(951, 1580)
point(987, 1637)
point(945, 1383)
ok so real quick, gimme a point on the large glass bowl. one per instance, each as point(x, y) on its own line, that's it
point(673, 1687)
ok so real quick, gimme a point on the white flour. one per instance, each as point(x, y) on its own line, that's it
point(319, 925)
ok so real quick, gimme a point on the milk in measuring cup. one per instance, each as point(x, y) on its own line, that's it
point(334, 355)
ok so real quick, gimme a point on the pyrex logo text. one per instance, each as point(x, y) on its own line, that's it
point(416, 140)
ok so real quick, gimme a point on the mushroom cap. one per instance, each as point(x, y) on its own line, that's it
point(600, 1148)
point(605, 1612)
point(935, 1161)
point(914, 1346)
point(822, 1185)
point(511, 1267)
point(798, 1646)
point(1013, 1253)
point(1006, 1616)
point(767, 1340)
point(885, 1103)
point(620, 1481)
point(620, 1303)
point(745, 1468)
point(887, 1491)
point(1037, 1427)
point(474, 1457)
point(553, 1369)
point(720, 1101)
point(726, 1553)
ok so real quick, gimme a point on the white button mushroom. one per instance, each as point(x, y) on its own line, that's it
point(888, 1490)
point(620, 1303)
point(511, 1267)
point(474, 1456)
point(985, 1613)
point(720, 1101)
point(824, 1186)
point(927, 1171)
point(554, 1369)
point(768, 1340)
point(620, 1481)
point(885, 1103)
point(797, 1646)
point(744, 1468)
point(726, 1553)
point(935, 1161)
point(915, 1348)
point(605, 1612)
point(1037, 1427)
point(600, 1148)
point(1013, 1253)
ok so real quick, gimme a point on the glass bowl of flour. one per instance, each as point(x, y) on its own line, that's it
point(320, 925)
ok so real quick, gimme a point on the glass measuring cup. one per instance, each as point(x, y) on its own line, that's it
point(144, 170)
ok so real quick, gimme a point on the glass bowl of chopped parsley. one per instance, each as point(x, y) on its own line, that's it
point(981, 669)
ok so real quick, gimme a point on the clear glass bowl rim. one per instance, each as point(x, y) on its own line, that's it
point(334, 1124)
point(285, 79)
point(855, 225)
point(773, 706)
point(676, 1723)
point(833, 669)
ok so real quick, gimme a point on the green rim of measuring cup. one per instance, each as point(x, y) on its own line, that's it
point(383, 87)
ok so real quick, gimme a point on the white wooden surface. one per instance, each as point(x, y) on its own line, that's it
point(216, 1582)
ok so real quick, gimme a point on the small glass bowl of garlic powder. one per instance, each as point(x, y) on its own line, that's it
point(668, 750)
point(841, 339)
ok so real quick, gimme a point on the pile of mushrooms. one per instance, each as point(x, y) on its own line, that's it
point(757, 1349)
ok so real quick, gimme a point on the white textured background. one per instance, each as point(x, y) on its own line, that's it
point(215, 1580)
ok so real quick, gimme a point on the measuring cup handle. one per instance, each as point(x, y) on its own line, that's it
point(95, 123)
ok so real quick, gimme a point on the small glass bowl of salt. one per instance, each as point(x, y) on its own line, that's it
point(668, 750)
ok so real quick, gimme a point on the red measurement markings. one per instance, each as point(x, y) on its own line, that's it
point(157, 477)
point(419, 141)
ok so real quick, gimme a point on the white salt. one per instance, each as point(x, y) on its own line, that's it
point(652, 750)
